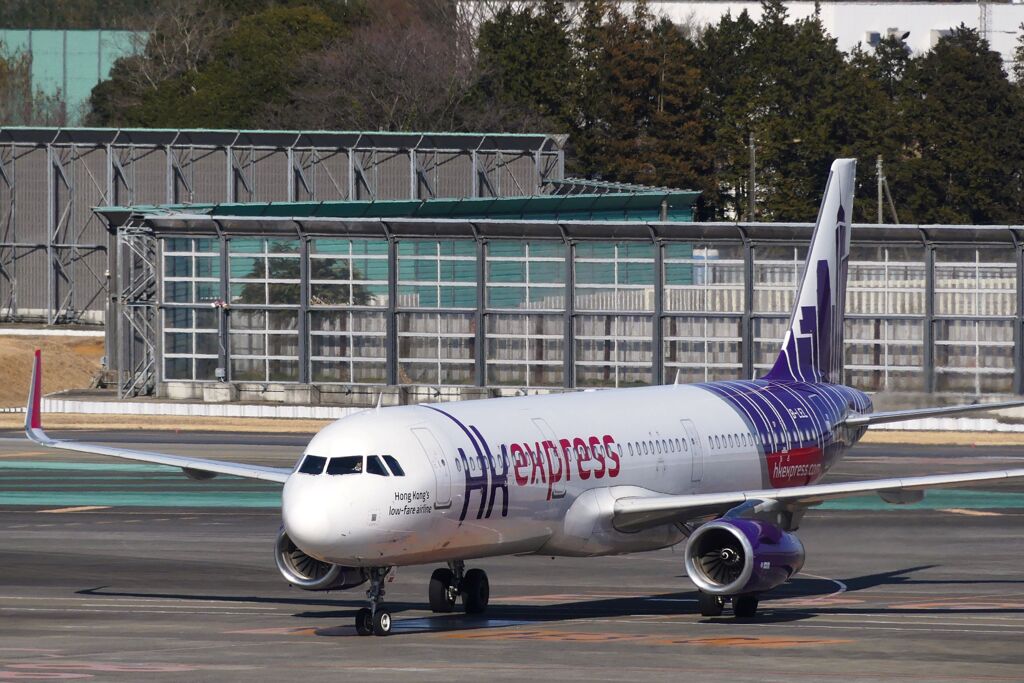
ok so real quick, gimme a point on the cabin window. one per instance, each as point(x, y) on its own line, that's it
point(718, 443)
point(729, 437)
point(312, 464)
point(350, 464)
point(685, 447)
point(375, 466)
point(630, 446)
point(396, 469)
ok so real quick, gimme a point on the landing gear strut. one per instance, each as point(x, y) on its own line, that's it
point(375, 619)
point(447, 584)
point(710, 605)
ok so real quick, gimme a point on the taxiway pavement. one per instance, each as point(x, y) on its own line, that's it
point(121, 571)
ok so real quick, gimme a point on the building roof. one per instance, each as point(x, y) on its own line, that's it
point(610, 206)
point(202, 137)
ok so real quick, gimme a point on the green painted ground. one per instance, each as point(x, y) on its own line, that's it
point(66, 484)
point(52, 484)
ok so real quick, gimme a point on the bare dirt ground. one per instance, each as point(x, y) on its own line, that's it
point(70, 363)
point(172, 423)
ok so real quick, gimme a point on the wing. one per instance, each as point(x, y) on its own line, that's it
point(195, 468)
point(635, 513)
point(869, 419)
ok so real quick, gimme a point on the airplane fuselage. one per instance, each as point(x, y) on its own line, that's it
point(538, 474)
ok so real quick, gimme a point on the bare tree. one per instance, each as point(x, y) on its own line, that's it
point(180, 36)
point(404, 69)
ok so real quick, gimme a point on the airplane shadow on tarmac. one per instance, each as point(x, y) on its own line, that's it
point(801, 599)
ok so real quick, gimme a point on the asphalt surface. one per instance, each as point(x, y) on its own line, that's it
point(165, 579)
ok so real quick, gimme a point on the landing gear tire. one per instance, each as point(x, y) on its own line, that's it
point(476, 591)
point(382, 623)
point(442, 590)
point(364, 622)
point(744, 606)
point(711, 605)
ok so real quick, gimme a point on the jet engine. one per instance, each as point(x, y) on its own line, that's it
point(311, 574)
point(740, 556)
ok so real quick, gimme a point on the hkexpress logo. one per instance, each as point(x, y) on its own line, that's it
point(543, 463)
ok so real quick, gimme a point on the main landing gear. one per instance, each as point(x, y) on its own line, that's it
point(447, 584)
point(743, 606)
point(375, 619)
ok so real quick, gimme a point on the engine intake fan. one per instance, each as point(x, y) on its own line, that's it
point(736, 556)
point(311, 574)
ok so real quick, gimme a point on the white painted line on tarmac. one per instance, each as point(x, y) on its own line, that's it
point(80, 508)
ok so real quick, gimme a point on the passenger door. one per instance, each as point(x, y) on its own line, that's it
point(558, 487)
point(696, 450)
point(442, 471)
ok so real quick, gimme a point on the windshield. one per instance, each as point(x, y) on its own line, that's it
point(351, 464)
point(313, 464)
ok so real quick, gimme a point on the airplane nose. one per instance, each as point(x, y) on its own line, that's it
point(307, 521)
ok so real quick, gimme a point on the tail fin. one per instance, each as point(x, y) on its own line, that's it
point(812, 350)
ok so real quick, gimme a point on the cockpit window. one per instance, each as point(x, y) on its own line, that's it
point(350, 464)
point(375, 466)
point(396, 469)
point(313, 464)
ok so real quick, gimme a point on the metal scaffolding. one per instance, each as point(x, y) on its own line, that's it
point(56, 255)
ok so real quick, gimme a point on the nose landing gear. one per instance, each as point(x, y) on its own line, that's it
point(447, 584)
point(375, 619)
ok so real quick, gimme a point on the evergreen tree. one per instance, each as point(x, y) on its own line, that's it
point(730, 79)
point(1018, 59)
point(964, 161)
point(786, 85)
point(526, 64)
point(643, 122)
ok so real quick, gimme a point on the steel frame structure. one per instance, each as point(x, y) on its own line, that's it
point(56, 256)
point(750, 240)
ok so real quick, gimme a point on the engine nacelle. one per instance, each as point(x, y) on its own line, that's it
point(736, 556)
point(311, 574)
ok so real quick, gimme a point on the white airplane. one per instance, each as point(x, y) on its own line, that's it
point(728, 467)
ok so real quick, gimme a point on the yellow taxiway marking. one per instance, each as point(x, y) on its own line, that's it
point(972, 513)
point(550, 635)
point(80, 508)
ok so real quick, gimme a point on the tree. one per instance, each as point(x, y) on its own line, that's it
point(730, 79)
point(964, 161)
point(205, 66)
point(1018, 59)
point(404, 68)
point(642, 120)
point(527, 67)
point(878, 124)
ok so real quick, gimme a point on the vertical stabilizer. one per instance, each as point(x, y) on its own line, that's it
point(812, 350)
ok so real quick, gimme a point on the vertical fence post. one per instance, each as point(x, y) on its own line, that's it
point(929, 316)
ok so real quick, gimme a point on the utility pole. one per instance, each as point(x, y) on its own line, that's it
point(752, 180)
point(884, 193)
point(881, 183)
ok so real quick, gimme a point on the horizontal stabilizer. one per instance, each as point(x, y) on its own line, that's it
point(869, 419)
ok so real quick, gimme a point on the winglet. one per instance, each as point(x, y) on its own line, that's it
point(33, 413)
